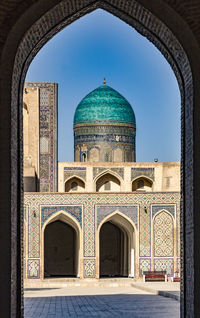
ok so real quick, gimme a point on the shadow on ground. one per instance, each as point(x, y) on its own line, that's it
point(106, 305)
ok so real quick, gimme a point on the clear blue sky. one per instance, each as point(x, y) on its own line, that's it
point(99, 45)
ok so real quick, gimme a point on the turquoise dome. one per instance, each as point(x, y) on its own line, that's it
point(104, 104)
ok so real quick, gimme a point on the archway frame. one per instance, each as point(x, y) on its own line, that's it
point(37, 22)
point(142, 177)
point(174, 232)
point(131, 244)
point(104, 173)
point(71, 177)
point(64, 217)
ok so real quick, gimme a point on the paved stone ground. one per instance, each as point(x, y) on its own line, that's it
point(98, 302)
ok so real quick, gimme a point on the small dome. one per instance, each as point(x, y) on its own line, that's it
point(104, 104)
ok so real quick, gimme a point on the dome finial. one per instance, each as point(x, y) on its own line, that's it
point(104, 81)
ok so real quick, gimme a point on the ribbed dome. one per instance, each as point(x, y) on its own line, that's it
point(104, 104)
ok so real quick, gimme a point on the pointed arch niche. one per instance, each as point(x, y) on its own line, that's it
point(108, 181)
point(117, 253)
point(74, 184)
point(61, 238)
point(142, 183)
point(163, 234)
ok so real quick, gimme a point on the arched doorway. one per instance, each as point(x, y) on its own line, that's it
point(108, 182)
point(117, 247)
point(59, 250)
point(113, 251)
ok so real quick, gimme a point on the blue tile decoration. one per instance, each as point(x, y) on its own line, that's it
point(104, 104)
point(136, 172)
point(75, 211)
point(169, 208)
point(130, 211)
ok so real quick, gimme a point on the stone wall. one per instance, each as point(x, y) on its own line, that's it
point(161, 176)
point(40, 134)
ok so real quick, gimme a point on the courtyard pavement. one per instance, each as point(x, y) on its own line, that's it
point(98, 302)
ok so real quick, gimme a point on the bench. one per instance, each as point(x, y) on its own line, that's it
point(155, 276)
point(176, 279)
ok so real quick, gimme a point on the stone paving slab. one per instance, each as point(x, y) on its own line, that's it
point(98, 302)
point(166, 289)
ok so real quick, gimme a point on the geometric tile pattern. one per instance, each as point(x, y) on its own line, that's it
point(163, 233)
point(35, 201)
point(89, 268)
point(144, 265)
point(164, 265)
point(169, 208)
point(33, 233)
point(145, 233)
point(130, 211)
point(99, 170)
point(76, 171)
point(33, 268)
point(137, 172)
point(47, 211)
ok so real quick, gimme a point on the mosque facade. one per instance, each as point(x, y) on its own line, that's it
point(103, 215)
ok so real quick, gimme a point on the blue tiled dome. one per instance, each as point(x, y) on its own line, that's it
point(104, 104)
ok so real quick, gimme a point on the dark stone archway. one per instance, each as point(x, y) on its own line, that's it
point(26, 25)
point(59, 250)
point(113, 251)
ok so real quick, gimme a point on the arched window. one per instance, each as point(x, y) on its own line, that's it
point(84, 157)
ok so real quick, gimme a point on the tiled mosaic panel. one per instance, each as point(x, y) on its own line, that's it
point(144, 265)
point(99, 170)
point(164, 265)
point(33, 269)
point(145, 233)
point(76, 171)
point(136, 172)
point(33, 233)
point(130, 211)
point(48, 211)
point(89, 268)
point(89, 244)
point(163, 234)
point(169, 208)
point(89, 201)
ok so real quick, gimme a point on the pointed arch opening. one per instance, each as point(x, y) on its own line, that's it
point(142, 184)
point(108, 182)
point(74, 184)
point(117, 247)
point(61, 250)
